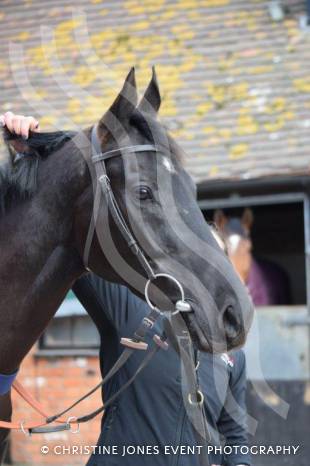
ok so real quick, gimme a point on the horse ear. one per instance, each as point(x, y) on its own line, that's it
point(151, 100)
point(122, 107)
point(220, 219)
point(247, 219)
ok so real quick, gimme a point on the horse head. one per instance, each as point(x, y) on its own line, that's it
point(51, 183)
point(236, 232)
point(157, 198)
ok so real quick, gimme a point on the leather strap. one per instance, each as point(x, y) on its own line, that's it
point(179, 337)
point(144, 363)
point(122, 226)
point(139, 336)
point(92, 225)
point(26, 395)
point(115, 368)
point(42, 427)
point(121, 150)
point(33, 426)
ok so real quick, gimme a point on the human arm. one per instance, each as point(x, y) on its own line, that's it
point(109, 304)
point(105, 302)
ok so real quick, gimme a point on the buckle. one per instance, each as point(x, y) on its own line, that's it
point(161, 343)
point(104, 181)
point(69, 420)
point(27, 434)
point(149, 323)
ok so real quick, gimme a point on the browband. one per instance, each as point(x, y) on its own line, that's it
point(115, 152)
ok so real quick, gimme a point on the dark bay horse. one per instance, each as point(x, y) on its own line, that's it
point(47, 199)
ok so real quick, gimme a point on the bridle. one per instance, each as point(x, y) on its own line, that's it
point(174, 324)
point(98, 159)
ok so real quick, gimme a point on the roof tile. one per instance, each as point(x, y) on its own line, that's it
point(235, 84)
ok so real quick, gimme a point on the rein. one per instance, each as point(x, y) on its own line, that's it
point(174, 325)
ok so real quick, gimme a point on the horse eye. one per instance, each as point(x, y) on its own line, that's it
point(143, 193)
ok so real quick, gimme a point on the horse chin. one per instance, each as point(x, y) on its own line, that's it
point(203, 341)
point(198, 337)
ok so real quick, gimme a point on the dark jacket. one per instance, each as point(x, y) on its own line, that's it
point(151, 411)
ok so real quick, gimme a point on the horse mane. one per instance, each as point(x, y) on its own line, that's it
point(18, 173)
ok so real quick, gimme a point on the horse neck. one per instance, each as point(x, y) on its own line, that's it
point(39, 262)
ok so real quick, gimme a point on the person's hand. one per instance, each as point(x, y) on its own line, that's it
point(19, 124)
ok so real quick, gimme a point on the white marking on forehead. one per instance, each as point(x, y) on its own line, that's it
point(233, 242)
point(168, 165)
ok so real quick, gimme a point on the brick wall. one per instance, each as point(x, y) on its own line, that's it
point(56, 383)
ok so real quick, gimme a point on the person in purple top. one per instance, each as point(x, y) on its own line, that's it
point(268, 284)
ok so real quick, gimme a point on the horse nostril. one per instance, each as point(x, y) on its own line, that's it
point(231, 323)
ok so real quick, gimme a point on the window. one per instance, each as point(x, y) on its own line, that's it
point(71, 332)
point(71, 329)
point(279, 235)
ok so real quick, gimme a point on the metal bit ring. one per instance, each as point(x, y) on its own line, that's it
point(166, 275)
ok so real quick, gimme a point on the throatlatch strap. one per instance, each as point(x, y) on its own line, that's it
point(6, 382)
